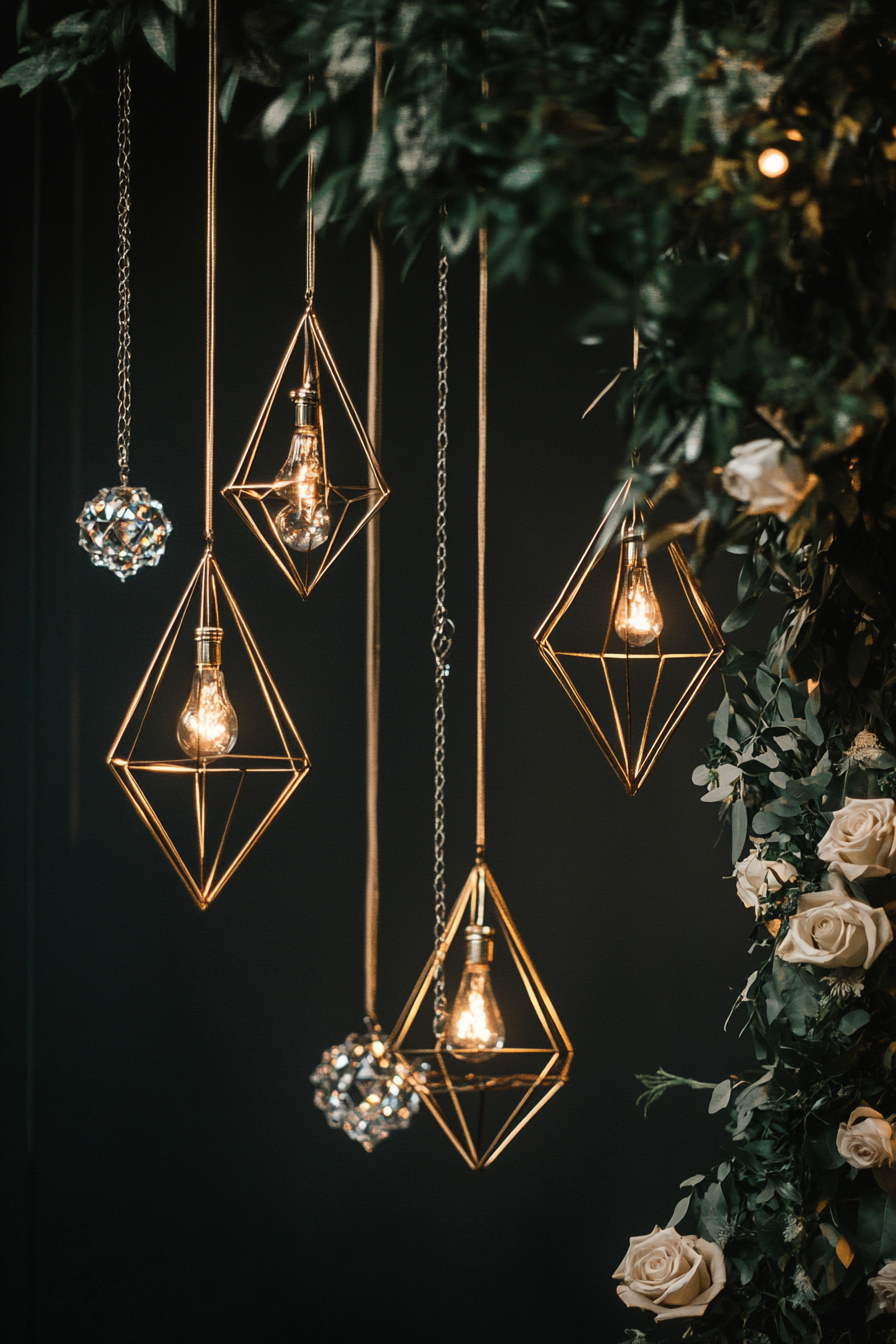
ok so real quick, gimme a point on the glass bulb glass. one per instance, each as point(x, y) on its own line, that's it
point(639, 620)
point(475, 1022)
point(305, 522)
point(208, 724)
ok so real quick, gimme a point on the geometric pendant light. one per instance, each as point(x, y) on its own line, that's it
point(631, 686)
point(482, 1099)
point(285, 488)
point(206, 802)
point(267, 504)
point(481, 1091)
point(207, 810)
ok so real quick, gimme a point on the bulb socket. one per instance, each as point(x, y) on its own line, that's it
point(306, 403)
point(633, 542)
point(208, 645)
point(480, 944)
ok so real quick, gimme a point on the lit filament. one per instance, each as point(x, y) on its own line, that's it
point(475, 1022)
point(638, 620)
point(208, 724)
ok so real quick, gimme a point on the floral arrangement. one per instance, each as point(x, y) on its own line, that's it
point(795, 1232)
point(623, 144)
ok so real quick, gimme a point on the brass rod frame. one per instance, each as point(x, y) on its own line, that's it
point(631, 763)
point(206, 883)
point(243, 490)
point(538, 1085)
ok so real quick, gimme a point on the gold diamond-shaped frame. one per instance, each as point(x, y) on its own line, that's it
point(631, 753)
point(351, 507)
point(209, 875)
point(444, 1085)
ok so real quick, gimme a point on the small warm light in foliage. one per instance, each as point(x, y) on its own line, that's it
point(794, 135)
point(772, 163)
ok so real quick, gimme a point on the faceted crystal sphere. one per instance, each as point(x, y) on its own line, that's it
point(302, 531)
point(122, 529)
point(364, 1091)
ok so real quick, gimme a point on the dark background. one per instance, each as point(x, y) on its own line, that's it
point(166, 1175)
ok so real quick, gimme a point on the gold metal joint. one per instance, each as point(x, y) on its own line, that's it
point(480, 944)
point(208, 645)
point(633, 542)
point(306, 402)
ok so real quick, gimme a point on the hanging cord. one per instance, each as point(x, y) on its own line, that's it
point(310, 235)
point(480, 632)
point(210, 263)
point(443, 632)
point(124, 270)
point(372, 643)
point(480, 521)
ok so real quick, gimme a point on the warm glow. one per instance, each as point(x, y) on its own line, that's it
point(639, 620)
point(471, 1026)
point(208, 724)
point(475, 1022)
point(773, 162)
point(794, 135)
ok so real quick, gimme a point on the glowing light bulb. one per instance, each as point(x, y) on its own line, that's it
point(475, 1022)
point(208, 725)
point(639, 620)
point(305, 522)
point(773, 163)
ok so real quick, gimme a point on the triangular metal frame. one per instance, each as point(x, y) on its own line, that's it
point(249, 497)
point(634, 755)
point(442, 1086)
point(205, 883)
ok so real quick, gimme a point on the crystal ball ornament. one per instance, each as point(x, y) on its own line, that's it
point(364, 1091)
point(124, 530)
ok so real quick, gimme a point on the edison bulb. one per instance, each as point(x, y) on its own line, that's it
point(305, 522)
point(639, 620)
point(208, 725)
point(475, 1022)
point(773, 163)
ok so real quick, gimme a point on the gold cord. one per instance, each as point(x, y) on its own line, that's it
point(310, 236)
point(372, 645)
point(480, 642)
point(210, 260)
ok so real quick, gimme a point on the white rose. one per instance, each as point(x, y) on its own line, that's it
point(861, 840)
point(831, 928)
point(767, 478)
point(757, 878)
point(671, 1275)
point(883, 1286)
point(866, 1140)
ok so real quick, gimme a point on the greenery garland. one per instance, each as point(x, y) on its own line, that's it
point(620, 140)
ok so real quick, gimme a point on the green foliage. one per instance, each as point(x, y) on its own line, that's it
point(618, 141)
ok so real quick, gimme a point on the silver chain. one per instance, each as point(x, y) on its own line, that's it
point(124, 269)
point(443, 632)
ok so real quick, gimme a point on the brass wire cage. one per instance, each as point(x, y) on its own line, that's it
point(215, 786)
point(256, 499)
point(631, 741)
point(445, 1078)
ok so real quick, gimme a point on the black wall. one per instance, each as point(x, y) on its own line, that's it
point(166, 1175)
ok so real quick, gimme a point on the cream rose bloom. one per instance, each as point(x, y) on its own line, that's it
point(671, 1275)
point(883, 1286)
point(831, 928)
point(767, 478)
point(757, 878)
point(861, 840)
point(866, 1140)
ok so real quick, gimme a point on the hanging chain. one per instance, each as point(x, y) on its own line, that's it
point(443, 632)
point(124, 270)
